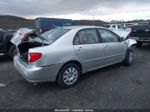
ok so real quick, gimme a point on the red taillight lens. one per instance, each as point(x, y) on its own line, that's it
point(34, 57)
point(23, 36)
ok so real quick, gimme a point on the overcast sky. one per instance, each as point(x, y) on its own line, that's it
point(78, 9)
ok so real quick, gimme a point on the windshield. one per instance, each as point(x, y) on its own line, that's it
point(54, 34)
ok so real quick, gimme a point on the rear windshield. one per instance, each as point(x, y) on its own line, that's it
point(54, 34)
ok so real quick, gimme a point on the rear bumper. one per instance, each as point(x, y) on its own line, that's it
point(3, 51)
point(36, 74)
point(141, 39)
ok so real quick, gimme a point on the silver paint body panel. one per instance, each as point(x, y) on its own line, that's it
point(62, 51)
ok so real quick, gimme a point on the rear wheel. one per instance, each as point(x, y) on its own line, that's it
point(69, 75)
point(128, 58)
point(12, 51)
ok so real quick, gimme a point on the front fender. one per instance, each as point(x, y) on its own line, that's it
point(130, 42)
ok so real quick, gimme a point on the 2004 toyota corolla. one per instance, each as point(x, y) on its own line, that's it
point(63, 54)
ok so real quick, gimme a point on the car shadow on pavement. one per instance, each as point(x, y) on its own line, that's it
point(52, 86)
point(44, 86)
point(145, 47)
point(4, 58)
point(102, 71)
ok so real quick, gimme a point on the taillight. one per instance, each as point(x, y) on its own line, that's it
point(23, 36)
point(134, 30)
point(41, 30)
point(34, 57)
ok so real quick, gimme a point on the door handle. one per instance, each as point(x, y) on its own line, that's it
point(80, 49)
point(106, 46)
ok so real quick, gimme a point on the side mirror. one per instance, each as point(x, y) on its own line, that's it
point(122, 39)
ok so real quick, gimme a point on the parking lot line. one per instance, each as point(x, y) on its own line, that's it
point(1, 54)
point(2, 85)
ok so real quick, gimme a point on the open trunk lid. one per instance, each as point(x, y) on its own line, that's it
point(24, 39)
point(19, 35)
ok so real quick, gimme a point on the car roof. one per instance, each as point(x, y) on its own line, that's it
point(81, 27)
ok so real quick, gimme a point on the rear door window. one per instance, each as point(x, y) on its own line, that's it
point(86, 36)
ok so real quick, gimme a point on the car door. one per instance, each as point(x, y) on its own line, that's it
point(114, 47)
point(88, 48)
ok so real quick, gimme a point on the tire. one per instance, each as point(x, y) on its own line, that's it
point(128, 58)
point(66, 78)
point(139, 44)
point(12, 51)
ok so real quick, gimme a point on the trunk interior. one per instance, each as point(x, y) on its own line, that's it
point(24, 48)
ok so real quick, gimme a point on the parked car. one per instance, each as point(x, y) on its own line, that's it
point(6, 46)
point(119, 29)
point(114, 26)
point(45, 24)
point(63, 54)
point(140, 33)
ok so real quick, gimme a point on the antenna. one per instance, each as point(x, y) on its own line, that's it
point(93, 21)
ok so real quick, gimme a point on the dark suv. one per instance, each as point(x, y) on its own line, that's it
point(45, 24)
point(5, 45)
point(141, 33)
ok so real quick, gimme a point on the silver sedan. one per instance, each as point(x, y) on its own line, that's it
point(63, 54)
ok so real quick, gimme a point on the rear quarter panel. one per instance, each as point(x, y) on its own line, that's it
point(59, 52)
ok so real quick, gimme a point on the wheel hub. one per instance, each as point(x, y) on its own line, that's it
point(70, 75)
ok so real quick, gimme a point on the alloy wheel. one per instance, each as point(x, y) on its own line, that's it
point(70, 75)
